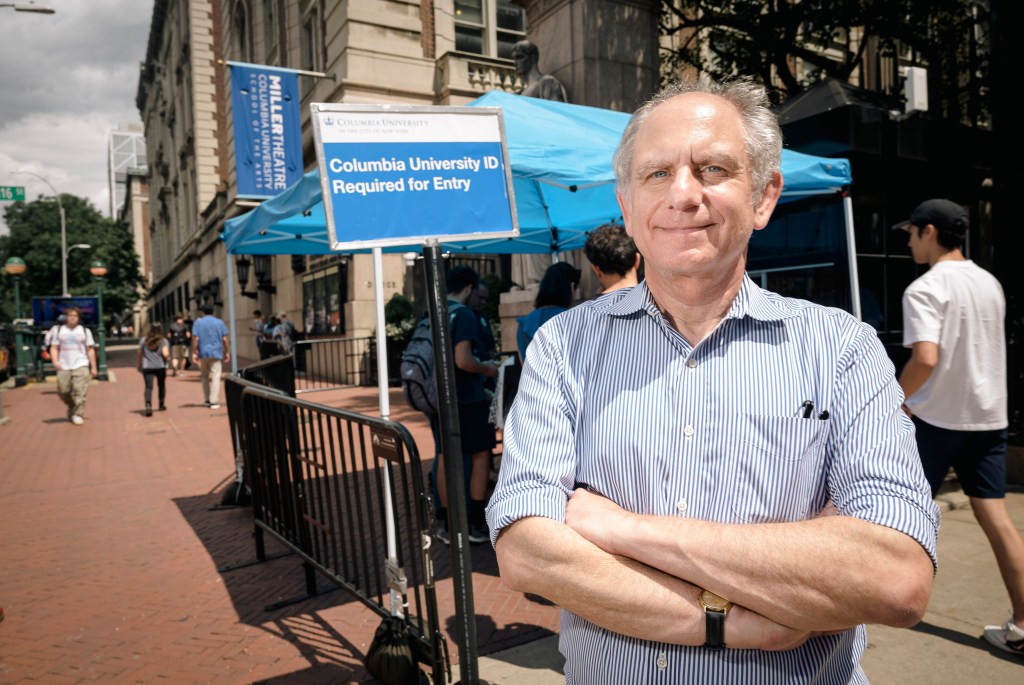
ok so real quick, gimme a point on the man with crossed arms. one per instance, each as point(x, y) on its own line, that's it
point(715, 483)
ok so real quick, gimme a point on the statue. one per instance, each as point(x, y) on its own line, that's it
point(527, 270)
point(536, 85)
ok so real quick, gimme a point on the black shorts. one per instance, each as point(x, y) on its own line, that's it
point(977, 457)
point(477, 433)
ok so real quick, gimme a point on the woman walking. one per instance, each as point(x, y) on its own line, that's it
point(154, 351)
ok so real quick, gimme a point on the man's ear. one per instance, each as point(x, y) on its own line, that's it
point(597, 270)
point(624, 207)
point(763, 209)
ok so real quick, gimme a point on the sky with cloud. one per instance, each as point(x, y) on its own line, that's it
point(67, 80)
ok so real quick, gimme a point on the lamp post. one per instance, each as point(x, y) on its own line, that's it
point(15, 267)
point(27, 8)
point(63, 234)
point(98, 271)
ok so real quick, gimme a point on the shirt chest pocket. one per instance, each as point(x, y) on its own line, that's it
point(776, 468)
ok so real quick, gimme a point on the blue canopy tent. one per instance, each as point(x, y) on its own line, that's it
point(563, 180)
point(564, 184)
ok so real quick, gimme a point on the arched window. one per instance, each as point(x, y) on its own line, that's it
point(269, 25)
point(240, 33)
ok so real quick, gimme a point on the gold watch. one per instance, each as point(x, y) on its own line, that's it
point(715, 610)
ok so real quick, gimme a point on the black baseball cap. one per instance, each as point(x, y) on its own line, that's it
point(941, 213)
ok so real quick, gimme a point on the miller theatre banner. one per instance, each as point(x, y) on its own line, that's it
point(268, 137)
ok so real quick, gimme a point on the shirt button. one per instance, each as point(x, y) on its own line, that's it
point(692, 363)
point(662, 662)
point(688, 431)
point(681, 506)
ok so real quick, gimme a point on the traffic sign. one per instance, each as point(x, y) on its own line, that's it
point(12, 194)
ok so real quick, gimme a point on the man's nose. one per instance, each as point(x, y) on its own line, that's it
point(686, 188)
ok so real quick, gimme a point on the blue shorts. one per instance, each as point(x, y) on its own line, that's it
point(977, 457)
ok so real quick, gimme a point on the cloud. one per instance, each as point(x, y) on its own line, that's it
point(68, 79)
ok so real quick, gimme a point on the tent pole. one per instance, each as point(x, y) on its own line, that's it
point(851, 251)
point(382, 356)
point(385, 411)
point(231, 312)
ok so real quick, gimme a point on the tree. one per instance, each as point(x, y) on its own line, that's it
point(791, 44)
point(35, 237)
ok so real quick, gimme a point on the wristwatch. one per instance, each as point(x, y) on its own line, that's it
point(715, 609)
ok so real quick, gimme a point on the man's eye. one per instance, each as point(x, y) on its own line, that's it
point(714, 169)
point(661, 173)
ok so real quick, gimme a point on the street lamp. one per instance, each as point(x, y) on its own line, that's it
point(27, 8)
point(98, 271)
point(15, 267)
point(63, 234)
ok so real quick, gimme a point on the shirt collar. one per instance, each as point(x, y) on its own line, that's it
point(750, 301)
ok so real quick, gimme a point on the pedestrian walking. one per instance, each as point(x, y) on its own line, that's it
point(955, 386)
point(284, 334)
point(73, 353)
point(154, 353)
point(210, 348)
point(180, 337)
point(259, 322)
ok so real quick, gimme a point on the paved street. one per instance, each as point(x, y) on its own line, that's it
point(111, 547)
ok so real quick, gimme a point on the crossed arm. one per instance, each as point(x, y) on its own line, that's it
point(640, 575)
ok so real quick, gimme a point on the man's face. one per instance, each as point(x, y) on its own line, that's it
point(72, 319)
point(478, 297)
point(688, 206)
point(918, 244)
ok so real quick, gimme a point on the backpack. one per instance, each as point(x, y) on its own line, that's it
point(417, 366)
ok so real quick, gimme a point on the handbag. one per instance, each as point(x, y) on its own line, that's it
point(390, 659)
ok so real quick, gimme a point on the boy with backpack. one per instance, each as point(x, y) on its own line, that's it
point(478, 438)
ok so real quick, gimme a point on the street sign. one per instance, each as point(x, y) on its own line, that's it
point(12, 194)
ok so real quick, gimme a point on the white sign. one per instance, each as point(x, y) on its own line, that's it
point(400, 174)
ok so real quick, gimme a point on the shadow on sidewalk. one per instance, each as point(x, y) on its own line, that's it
point(227, 535)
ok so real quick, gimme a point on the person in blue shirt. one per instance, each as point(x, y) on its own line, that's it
point(556, 293)
point(716, 483)
point(210, 349)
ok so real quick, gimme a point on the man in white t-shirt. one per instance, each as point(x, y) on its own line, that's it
point(73, 353)
point(955, 386)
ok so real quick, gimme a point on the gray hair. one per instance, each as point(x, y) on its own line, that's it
point(761, 131)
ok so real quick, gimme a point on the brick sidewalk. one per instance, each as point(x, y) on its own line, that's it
point(111, 551)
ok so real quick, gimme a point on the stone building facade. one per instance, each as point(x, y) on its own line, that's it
point(427, 52)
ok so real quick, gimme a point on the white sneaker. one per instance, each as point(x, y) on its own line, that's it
point(1007, 637)
point(77, 420)
point(214, 406)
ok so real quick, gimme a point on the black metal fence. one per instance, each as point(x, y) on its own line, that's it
point(274, 372)
point(326, 363)
point(345, 493)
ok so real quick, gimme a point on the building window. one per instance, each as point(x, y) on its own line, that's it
point(309, 48)
point(240, 25)
point(322, 300)
point(488, 27)
point(269, 25)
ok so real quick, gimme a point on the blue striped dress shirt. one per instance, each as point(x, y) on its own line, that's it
point(613, 396)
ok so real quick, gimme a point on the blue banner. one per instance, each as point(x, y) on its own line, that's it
point(268, 134)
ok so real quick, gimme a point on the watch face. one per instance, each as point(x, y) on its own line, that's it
point(713, 602)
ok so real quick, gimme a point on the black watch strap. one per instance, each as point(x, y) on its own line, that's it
point(715, 629)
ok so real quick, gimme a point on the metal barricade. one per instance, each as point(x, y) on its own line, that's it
point(345, 492)
point(275, 372)
point(328, 363)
